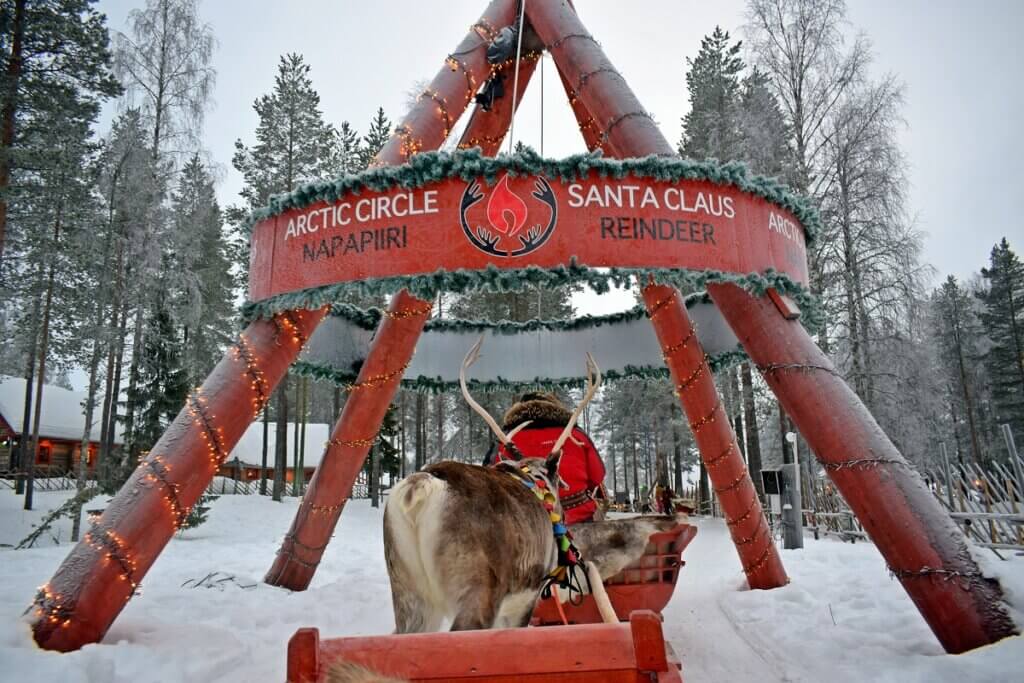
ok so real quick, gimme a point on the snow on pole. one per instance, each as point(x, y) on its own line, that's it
point(921, 544)
point(105, 569)
point(695, 387)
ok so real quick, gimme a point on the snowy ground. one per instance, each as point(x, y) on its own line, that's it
point(841, 619)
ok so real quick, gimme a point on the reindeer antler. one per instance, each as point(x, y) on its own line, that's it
point(471, 357)
point(593, 382)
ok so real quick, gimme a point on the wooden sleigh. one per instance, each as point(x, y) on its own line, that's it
point(584, 651)
point(646, 584)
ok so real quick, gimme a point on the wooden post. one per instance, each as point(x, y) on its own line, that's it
point(792, 500)
point(922, 546)
point(430, 121)
point(949, 479)
point(101, 573)
point(714, 436)
point(1011, 449)
point(353, 435)
point(619, 121)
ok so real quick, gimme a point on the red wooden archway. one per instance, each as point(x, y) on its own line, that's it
point(922, 546)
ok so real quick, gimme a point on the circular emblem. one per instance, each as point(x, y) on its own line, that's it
point(508, 225)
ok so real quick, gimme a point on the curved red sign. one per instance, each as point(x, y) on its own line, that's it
point(521, 221)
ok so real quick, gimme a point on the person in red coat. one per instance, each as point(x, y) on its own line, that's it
point(580, 467)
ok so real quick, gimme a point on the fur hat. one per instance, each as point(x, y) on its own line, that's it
point(541, 408)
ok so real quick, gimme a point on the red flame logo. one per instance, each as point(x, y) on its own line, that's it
point(506, 211)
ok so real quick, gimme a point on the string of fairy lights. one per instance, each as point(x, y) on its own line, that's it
point(332, 510)
point(411, 143)
point(156, 471)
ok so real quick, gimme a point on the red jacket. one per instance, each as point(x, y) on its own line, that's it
point(581, 468)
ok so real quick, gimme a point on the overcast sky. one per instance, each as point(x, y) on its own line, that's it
point(962, 63)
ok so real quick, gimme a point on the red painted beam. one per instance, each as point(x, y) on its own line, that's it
point(429, 123)
point(360, 420)
point(695, 387)
point(101, 573)
point(587, 123)
point(487, 129)
point(605, 653)
point(620, 118)
point(922, 546)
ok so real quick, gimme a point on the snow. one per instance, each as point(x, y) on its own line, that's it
point(249, 449)
point(62, 415)
point(842, 618)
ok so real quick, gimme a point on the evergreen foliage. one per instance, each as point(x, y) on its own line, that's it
point(959, 337)
point(1002, 318)
point(711, 129)
point(202, 272)
point(163, 382)
point(375, 138)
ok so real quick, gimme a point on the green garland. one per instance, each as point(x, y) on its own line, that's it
point(495, 279)
point(369, 319)
point(430, 167)
point(436, 385)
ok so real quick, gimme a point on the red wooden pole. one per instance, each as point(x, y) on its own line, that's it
point(922, 546)
point(430, 121)
point(487, 129)
point(715, 438)
point(354, 433)
point(426, 127)
point(101, 573)
point(620, 119)
point(587, 123)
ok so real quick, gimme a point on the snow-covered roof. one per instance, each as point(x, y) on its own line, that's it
point(62, 415)
point(249, 449)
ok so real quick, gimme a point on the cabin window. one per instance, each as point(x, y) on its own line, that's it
point(43, 457)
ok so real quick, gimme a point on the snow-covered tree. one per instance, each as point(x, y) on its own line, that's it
point(959, 336)
point(165, 66)
point(293, 145)
point(203, 281)
point(712, 126)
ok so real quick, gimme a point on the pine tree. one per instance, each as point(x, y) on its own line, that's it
point(202, 273)
point(293, 145)
point(1003, 320)
point(763, 132)
point(711, 128)
point(344, 155)
point(375, 138)
point(55, 207)
point(958, 334)
point(54, 52)
point(162, 378)
point(384, 454)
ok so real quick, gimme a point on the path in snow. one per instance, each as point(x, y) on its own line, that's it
point(701, 633)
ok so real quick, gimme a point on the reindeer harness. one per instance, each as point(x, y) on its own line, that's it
point(569, 559)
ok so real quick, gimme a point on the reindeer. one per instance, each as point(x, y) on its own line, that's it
point(476, 544)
